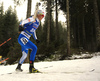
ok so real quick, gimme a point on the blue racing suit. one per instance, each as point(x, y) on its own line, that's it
point(30, 26)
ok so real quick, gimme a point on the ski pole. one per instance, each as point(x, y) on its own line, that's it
point(5, 42)
point(4, 60)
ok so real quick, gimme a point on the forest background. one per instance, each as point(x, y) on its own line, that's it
point(80, 33)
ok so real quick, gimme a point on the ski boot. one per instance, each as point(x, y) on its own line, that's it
point(33, 70)
point(19, 68)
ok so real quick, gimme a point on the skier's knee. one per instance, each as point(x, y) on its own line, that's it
point(35, 47)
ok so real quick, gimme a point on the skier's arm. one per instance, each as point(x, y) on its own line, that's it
point(31, 19)
point(34, 35)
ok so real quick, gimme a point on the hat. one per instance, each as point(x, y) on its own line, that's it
point(40, 12)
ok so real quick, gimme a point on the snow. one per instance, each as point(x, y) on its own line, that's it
point(66, 70)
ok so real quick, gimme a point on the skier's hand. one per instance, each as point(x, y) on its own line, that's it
point(37, 41)
point(21, 28)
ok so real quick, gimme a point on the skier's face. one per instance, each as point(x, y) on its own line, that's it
point(40, 17)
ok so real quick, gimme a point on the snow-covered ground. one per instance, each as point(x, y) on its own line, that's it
point(67, 70)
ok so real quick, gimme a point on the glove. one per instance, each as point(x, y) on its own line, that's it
point(21, 28)
point(37, 41)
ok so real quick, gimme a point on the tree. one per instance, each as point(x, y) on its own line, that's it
point(19, 2)
point(9, 30)
point(1, 26)
point(48, 29)
point(82, 23)
point(97, 23)
point(68, 27)
point(29, 8)
point(57, 26)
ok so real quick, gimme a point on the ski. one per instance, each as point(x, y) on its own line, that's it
point(25, 72)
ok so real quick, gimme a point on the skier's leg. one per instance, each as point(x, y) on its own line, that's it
point(27, 44)
point(24, 55)
point(33, 47)
point(22, 41)
point(32, 58)
point(33, 52)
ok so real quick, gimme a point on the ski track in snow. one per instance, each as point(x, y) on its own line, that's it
point(67, 70)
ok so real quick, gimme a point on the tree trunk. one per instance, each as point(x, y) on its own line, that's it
point(29, 8)
point(48, 26)
point(78, 31)
point(57, 27)
point(84, 34)
point(68, 28)
point(97, 24)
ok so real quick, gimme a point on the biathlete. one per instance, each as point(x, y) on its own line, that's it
point(28, 28)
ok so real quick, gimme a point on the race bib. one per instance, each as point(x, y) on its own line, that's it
point(24, 40)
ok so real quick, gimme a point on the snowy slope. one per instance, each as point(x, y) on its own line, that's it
point(67, 70)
